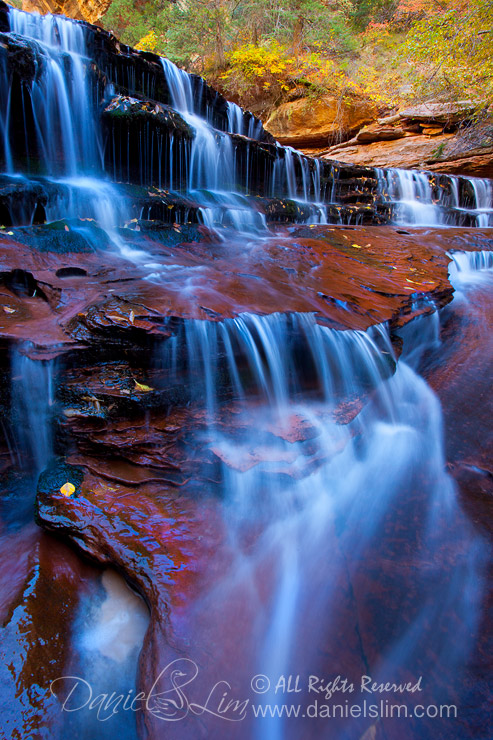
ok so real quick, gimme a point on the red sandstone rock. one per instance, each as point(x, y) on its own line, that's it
point(351, 277)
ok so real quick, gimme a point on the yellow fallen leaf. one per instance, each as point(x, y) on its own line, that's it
point(68, 489)
point(356, 246)
point(142, 387)
point(7, 309)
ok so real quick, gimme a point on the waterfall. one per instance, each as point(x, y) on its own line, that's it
point(317, 455)
point(243, 124)
point(483, 196)
point(221, 159)
point(259, 357)
point(32, 402)
point(312, 498)
point(66, 125)
point(429, 199)
point(472, 261)
point(211, 177)
point(212, 168)
point(5, 103)
point(469, 267)
point(61, 94)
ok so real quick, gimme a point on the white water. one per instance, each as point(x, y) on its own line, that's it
point(327, 499)
point(466, 266)
point(5, 101)
point(61, 94)
point(107, 634)
point(116, 626)
point(211, 173)
point(64, 98)
point(483, 192)
point(419, 201)
point(314, 491)
point(68, 131)
point(32, 402)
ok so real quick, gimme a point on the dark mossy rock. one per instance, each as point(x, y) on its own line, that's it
point(4, 17)
point(56, 475)
point(21, 56)
point(63, 237)
point(283, 210)
point(172, 236)
point(125, 108)
point(22, 202)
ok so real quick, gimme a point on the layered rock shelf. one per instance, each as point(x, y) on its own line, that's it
point(210, 383)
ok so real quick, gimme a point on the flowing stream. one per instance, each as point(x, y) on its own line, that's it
point(345, 538)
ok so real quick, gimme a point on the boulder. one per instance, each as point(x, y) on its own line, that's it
point(444, 113)
point(306, 123)
point(410, 152)
point(472, 163)
point(426, 152)
point(379, 132)
point(429, 130)
point(83, 10)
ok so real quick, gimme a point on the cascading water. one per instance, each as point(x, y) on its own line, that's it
point(32, 401)
point(64, 121)
point(211, 175)
point(428, 199)
point(238, 124)
point(328, 449)
point(219, 173)
point(213, 170)
point(259, 357)
point(469, 263)
point(305, 490)
point(5, 102)
point(67, 128)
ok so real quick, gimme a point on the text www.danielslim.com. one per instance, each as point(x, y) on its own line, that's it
point(353, 711)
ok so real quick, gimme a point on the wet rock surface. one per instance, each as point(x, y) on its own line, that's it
point(155, 319)
point(139, 449)
point(351, 277)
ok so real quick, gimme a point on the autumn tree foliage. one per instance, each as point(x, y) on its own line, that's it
point(260, 52)
point(452, 48)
